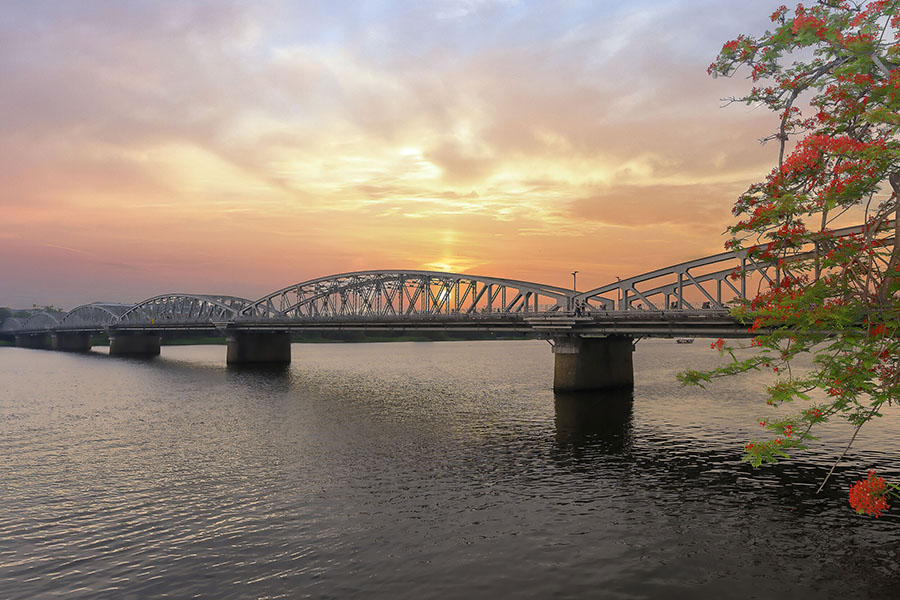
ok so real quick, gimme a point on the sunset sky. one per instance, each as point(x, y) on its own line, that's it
point(238, 147)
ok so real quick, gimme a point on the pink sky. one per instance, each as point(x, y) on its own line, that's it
point(213, 147)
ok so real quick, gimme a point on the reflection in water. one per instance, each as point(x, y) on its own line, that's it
point(271, 377)
point(601, 420)
point(262, 369)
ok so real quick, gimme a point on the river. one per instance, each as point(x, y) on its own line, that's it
point(417, 470)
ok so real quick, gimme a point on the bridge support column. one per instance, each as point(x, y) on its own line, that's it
point(593, 363)
point(72, 342)
point(259, 347)
point(133, 344)
point(36, 341)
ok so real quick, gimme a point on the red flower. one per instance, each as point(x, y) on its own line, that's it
point(877, 330)
point(867, 495)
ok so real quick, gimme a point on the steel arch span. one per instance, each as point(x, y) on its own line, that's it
point(96, 315)
point(41, 321)
point(11, 325)
point(399, 294)
point(669, 287)
point(182, 310)
point(711, 282)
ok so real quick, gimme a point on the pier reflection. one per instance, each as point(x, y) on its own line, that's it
point(270, 378)
point(594, 422)
point(261, 369)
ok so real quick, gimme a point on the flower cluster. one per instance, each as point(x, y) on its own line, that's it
point(868, 495)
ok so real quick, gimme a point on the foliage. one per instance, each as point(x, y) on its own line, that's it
point(831, 73)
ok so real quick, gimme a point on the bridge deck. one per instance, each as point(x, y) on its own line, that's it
point(639, 323)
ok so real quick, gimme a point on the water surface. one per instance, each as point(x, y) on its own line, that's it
point(420, 470)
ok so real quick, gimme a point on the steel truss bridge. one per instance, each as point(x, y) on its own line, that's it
point(689, 299)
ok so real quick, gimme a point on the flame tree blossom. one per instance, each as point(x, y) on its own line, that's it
point(870, 495)
point(830, 73)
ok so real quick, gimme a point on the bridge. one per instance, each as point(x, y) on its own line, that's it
point(592, 333)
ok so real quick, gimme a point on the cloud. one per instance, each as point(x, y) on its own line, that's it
point(697, 207)
point(459, 163)
point(223, 133)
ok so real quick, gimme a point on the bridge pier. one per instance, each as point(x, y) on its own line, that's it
point(72, 341)
point(593, 363)
point(35, 341)
point(258, 347)
point(133, 344)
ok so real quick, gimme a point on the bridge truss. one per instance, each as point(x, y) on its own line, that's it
point(182, 310)
point(703, 287)
point(92, 315)
point(708, 283)
point(406, 294)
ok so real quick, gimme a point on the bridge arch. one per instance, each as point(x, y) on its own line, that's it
point(410, 293)
point(41, 320)
point(709, 282)
point(11, 324)
point(94, 315)
point(183, 309)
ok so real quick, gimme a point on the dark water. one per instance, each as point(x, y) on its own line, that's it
point(416, 470)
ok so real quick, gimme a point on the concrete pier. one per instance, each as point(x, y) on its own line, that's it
point(72, 342)
point(36, 341)
point(257, 347)
point(593, 363)
point(133, 344)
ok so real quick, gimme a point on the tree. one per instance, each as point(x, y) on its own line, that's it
point(831, 74)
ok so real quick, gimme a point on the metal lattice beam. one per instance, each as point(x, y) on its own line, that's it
point(41, 321)
point(385, 294)
point(183, 309)
point(96, 315)
point(735, 275)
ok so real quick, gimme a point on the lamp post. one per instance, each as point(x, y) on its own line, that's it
point(575, 289)
point(619, 280)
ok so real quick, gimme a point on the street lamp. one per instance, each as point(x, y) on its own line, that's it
point(619, 280)
point(575, 289)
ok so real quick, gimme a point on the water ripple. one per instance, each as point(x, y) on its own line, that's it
point(443, 470)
